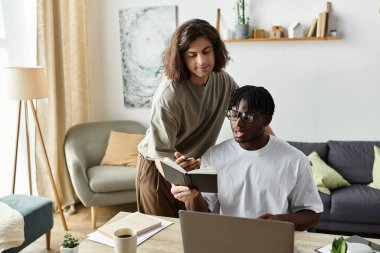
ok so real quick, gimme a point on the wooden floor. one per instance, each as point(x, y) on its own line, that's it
point(79, 225)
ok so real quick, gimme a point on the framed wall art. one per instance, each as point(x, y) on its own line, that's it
point(144, 34)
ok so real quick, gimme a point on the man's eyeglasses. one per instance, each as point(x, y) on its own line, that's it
point(245, 116)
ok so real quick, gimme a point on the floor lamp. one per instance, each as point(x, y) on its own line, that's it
point(24, 85)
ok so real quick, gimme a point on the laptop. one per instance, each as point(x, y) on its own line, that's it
point(214, 233)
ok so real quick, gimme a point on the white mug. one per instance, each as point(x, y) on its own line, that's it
point(125, 240)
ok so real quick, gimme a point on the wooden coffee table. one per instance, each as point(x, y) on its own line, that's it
point(169, 240)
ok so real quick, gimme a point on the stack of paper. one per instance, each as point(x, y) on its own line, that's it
point(100, 237)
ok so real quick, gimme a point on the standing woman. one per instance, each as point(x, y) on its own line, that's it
point(187, 112)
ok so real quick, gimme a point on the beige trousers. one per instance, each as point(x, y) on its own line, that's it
point(153, 191)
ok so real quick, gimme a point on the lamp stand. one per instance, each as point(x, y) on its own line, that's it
point(22, 104)
point(16, 147)
point(46, 160)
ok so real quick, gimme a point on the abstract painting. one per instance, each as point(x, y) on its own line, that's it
point(144, 34)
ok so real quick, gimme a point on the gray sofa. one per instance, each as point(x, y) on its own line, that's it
point(99, 185)
point(353, 209)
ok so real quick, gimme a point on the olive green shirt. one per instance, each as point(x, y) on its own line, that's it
point(187, 118)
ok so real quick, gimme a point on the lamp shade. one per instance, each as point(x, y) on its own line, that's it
point(24, 83)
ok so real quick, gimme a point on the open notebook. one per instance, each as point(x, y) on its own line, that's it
point(140, 222)
point(203, 179)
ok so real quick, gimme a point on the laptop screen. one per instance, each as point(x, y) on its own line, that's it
point(213, 233)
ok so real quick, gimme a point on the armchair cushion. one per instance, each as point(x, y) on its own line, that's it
point(122, 149)
point(104, 179)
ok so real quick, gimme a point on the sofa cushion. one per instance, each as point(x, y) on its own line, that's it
point(356, 204)
point(111, 178)
point(352, 159)
point(325, 177)
point(376, 169)
point(308, 147)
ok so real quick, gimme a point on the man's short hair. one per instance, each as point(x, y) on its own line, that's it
point(258, 99)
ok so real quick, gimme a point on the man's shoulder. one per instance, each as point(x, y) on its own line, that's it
point(168, 94)
point(223, 75)
point(221, 147)
point(163, 88)
point(224, 144)
point(286, 148)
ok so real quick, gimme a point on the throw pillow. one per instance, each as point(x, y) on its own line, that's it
point(325, 177)
point(122, 149)
point(376, 170)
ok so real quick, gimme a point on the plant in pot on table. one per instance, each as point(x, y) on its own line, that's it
point(242, 21)
point(69, 244)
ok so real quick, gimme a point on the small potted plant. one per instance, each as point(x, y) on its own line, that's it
point(339, 246)
point(242, 20)
point(333, 32)
point(69, 244)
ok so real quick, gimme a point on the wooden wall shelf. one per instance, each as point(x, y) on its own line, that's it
point(282, 39)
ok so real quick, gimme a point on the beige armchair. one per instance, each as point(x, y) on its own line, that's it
point(98, 185)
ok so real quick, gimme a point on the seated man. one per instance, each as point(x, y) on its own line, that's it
point(259, 175)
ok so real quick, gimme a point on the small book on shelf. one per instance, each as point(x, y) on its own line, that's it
point(323, 26)
point(313, 28)
point(328, 10)
point(319, 25)
point(203, 179)
point(140, 222)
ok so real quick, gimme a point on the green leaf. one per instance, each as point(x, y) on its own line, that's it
point(339, 245)
point(343, 247)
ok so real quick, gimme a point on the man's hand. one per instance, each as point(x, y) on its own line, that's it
point(302, 219)
point(191, 197)
point(278, 217)
point(187, 163)
point(184, 193)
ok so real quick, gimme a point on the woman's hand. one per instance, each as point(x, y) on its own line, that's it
point(187, 163)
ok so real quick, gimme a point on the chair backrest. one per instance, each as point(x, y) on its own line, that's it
point(88, 142)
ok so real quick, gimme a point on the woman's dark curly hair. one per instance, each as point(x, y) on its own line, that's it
point(173, 57)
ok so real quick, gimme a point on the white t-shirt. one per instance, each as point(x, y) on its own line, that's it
point(275, 179)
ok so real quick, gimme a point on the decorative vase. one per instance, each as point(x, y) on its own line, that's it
point(69, 250)
point(241, 31)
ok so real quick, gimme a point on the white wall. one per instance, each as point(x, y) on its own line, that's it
point(323, 89)
point(17, 48)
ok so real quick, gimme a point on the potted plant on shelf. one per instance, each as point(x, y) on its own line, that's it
point(242, 20)
point(333, 32)
point(69, 244)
